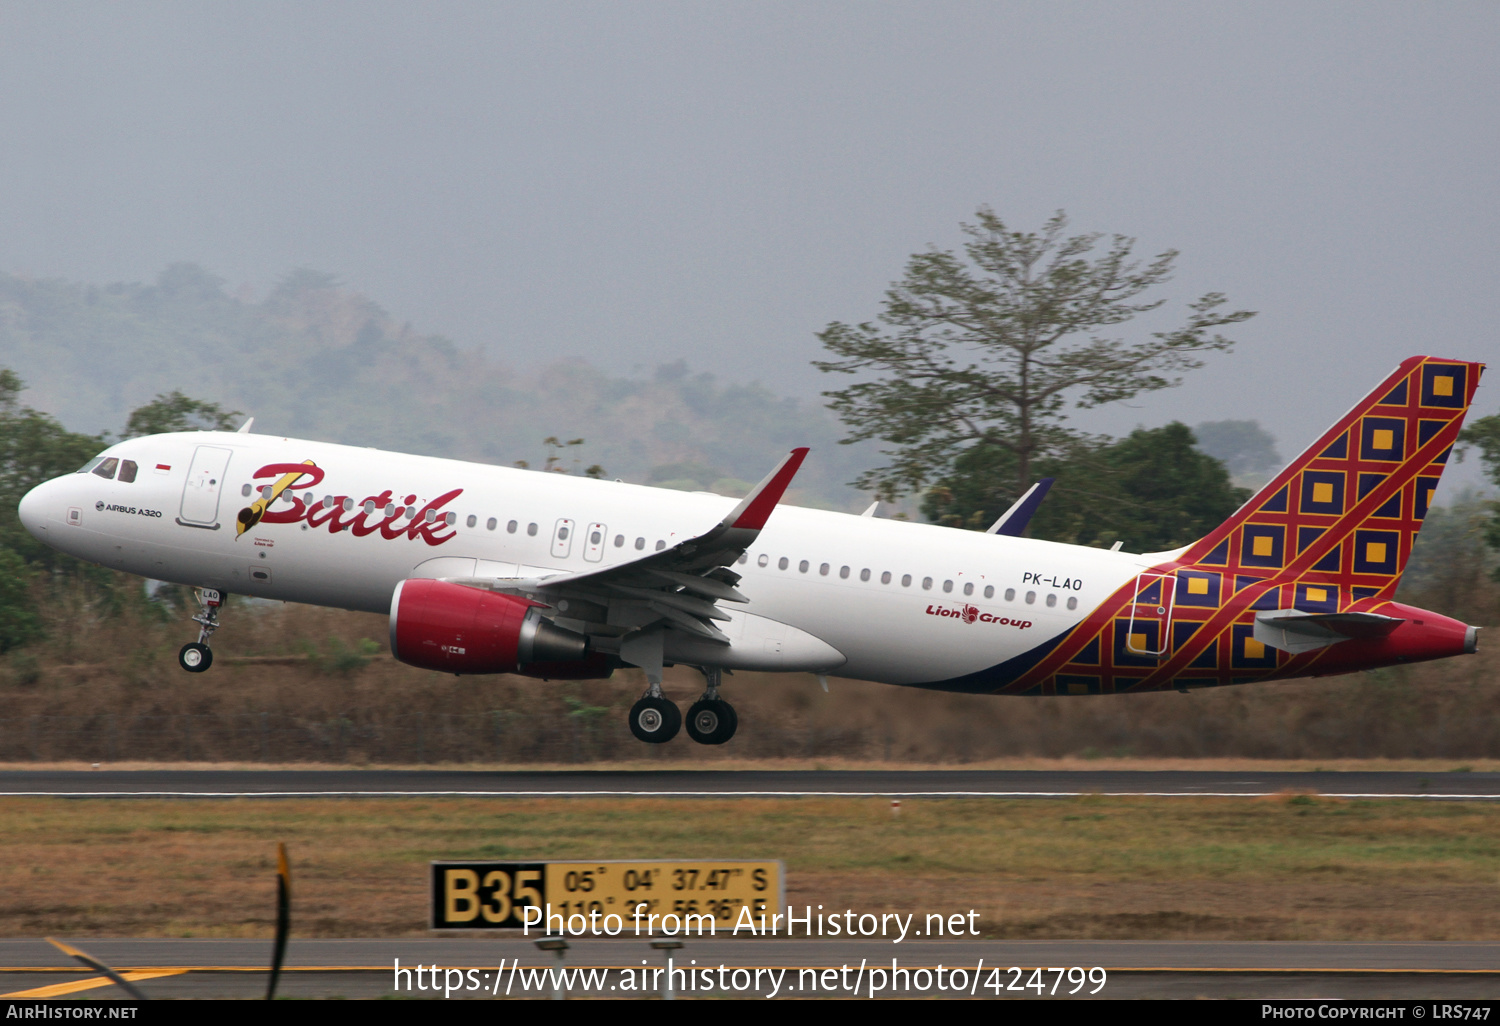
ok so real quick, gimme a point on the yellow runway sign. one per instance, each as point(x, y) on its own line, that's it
point(609, 897)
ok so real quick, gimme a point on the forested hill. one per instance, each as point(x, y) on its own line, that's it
point(316, 360)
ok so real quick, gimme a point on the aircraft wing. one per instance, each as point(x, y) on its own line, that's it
point(680, 585)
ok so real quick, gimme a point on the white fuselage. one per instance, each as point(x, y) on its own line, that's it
point(901, 603)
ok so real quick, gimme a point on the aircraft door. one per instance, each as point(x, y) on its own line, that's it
point(1149, 633)
point(562, 538)
point(594, 542)
point(205, 481)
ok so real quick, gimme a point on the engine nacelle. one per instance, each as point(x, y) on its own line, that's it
point(456, 629)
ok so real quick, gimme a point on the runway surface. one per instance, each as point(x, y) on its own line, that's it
point(746, 783)
point(366, 968)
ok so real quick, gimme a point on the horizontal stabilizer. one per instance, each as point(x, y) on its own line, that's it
point(1294, 631)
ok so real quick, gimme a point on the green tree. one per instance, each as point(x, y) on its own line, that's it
point(1484, 433)
point(33, 448)
point(988, 350)
point(177, 412)
point(18, 620)
point(1152, 490)
point(1243, 446)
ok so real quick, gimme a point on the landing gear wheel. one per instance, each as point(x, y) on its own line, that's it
point(195, 658)
point(711, 721)
point(655, 720)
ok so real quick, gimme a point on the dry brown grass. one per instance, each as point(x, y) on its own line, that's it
point(1291, 867)
point(834, 765)
point(108, 689)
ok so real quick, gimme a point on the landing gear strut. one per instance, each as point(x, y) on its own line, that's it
point(654, 719)
point(711, 720)
point(196, 656)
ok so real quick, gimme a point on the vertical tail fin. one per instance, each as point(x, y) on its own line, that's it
point(1352, 504)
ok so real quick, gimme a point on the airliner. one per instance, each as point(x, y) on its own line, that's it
point(486, 569)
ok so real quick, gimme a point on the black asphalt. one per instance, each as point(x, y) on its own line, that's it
point(687, 783)
point(1185, 969)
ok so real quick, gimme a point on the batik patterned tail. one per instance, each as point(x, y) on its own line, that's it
point(1330, 535)
point(1352, 504)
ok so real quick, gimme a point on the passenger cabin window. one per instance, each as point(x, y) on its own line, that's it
point(843, 573)
point(906, 580)
point(824, 569)
point(489, 525)
point(1072, 602)
point(107, 469)
point(864, 575)
point(885, 578)
point(473, 520)
point(927, 584)
point(531, 530)
point(989, 591)
point(1010, 594)
point(127, 471)
point(969, 588)
point(781, 563)
point(948, 586)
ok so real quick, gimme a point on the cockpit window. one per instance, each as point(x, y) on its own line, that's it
point(107, 469)
point(127, 471)
point(90, 465)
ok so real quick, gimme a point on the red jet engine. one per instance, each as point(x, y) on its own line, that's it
point(457, 629)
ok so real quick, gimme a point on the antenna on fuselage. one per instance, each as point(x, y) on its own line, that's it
point(245, 427)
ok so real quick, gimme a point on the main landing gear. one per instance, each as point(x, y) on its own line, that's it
point(710, 720)
point(196, 656)
point(654, 719)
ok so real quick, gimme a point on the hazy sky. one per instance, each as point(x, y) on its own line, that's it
point(632, 183)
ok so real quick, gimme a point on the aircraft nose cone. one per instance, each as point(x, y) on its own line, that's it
point(33, 511)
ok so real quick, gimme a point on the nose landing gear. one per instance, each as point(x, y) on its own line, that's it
point(196, 656)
